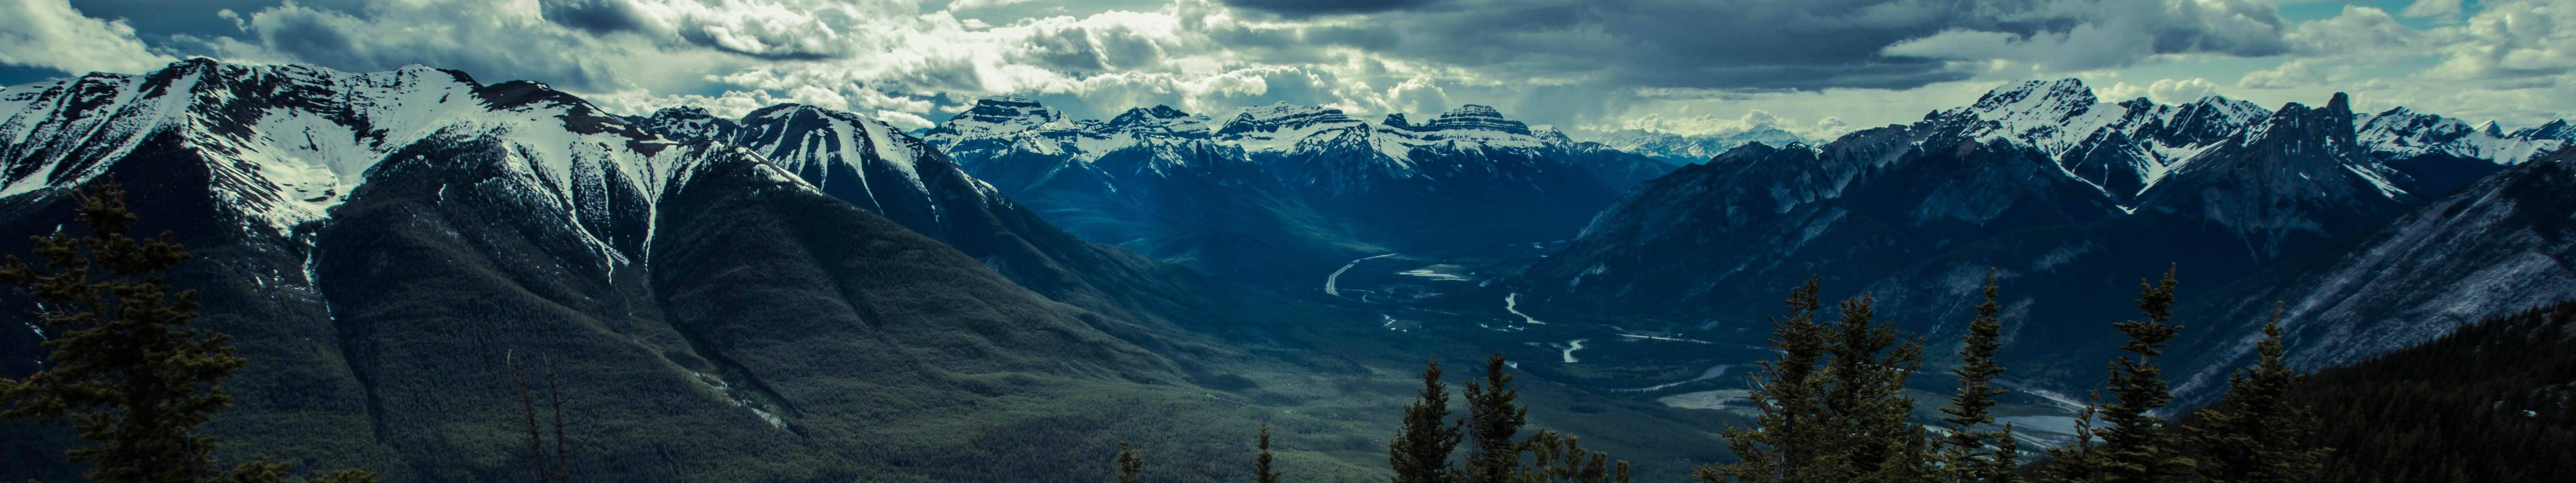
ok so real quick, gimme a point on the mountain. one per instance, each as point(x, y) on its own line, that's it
point(2501, 245)
point(880, 169)
point(2071, 198)
point(1268, 193)
point(382, 246)
point(1683, 149)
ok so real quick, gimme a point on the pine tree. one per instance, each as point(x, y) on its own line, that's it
point(1560, 458)
point(2083, 461)
point(1129, 465)
point(1784, 444)
point(126, 368)
point(1865, 404)
point(1420, 451)
point(1966, 456)
point(2138, 448)
point(1492, 422)
point(2256, 434)
point(1261, 472)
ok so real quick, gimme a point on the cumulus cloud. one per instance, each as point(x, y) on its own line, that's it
point(1301, 8)
point(2293, 73)
point(2516, 43)
point(2432, 9)
point(2168, 91)
point(2358, 30)
point(49, 34)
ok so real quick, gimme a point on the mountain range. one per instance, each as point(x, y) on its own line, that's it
point(802, 284)
point(2070, 198)
point(1272, 192)
point(1683, 149)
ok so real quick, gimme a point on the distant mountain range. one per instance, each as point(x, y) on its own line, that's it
point(1682, 149)
point(2074, 199)
point(1272, 192)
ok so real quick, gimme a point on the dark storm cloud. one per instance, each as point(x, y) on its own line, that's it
point(595, 16)
point(1303, 8)
point(1802, 44)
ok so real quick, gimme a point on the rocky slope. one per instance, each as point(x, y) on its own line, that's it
point(2073, 199)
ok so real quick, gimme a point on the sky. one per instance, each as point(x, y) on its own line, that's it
point(1816, 67)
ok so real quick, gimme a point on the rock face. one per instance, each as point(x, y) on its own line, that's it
point(2501, 245)
point(2070, 198)
point(1271, 193)
point(795, 284)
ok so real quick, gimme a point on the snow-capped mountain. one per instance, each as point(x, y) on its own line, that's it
point(1280, 189)
point(2072, 198)
point(1681, 149)
point(879, 168)
point(382, 245)
point(281, 145)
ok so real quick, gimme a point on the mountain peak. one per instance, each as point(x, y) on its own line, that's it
point(1159, 117)
point(1479, 117)
point(996, 116)
point(2062, 93)
point(1282, 115)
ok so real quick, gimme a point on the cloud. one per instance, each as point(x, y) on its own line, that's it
point(1562, 62)
point(49, 34)
point(2432, 9)
point(2358, 30)
point(2293, 73)
point(596, 16)
point(964, 5)
point(2167, 91)
point(2510, 44)
point(2104, 34)
point(1302, 8)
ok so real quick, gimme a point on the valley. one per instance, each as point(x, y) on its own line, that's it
point(1705, 368)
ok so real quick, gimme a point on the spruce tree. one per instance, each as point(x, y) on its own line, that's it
point(1129, 465)
point(2138, 448)
point(2256, 434)
point(1493, 421)
point(1420, 451)
point(1261, 472)
point(1785, 443)
point(124, 365)
point(1965, 456)
point(1560, 458)
point(2082, 461)
point(1865, 404)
